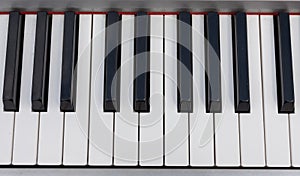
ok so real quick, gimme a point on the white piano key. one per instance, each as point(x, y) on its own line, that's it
point(6, 118)
point(101, 123)
point(51, 122)
point(76, 123)
point(176, 124)
point(126, 121)
point(226, 123)
point(295, 118)
point(252, 141)
point(276, 125)
point(151, 124)
point(201, 123)
point(26, 121)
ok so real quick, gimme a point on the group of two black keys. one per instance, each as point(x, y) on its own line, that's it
point(111, 98)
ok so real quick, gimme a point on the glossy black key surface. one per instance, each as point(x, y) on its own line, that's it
point(212, 64)
point(13, 64)
point(69, 61)
point(112, 63)
point(39, 96)
point(284, 68)
point(240, 63)
point(141, 63)
point(184, 63)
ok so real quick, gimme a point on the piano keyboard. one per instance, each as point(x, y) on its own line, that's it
point(150, 89)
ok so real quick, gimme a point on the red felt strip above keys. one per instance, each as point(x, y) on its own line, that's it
point(149, 13)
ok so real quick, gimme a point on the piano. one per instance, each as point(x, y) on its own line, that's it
point(140, 87)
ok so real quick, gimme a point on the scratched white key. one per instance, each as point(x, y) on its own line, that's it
point(176, 124)
point(151, 124)
point(201, 123)
point(226, 123)
point(126, 121)
point(26, 121)
point(276, 125)
point(51, 122)
point(6, 118)
point(252, 141)
point(76, 123)
point(295, 118)
point(101, 123)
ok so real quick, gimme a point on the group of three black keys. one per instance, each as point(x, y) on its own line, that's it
point(111, 98)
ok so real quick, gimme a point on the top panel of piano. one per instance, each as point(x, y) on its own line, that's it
point(152, 5)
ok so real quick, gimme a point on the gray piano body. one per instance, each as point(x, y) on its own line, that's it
point(153, 5)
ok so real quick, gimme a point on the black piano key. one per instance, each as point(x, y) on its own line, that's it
point(284, 69)
point(141, 63)
point(112, 63)
point(184, 64)
point(212, 64)
point(13, 64)
point(240, 63)
point(40, 79)
point(69, 61)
